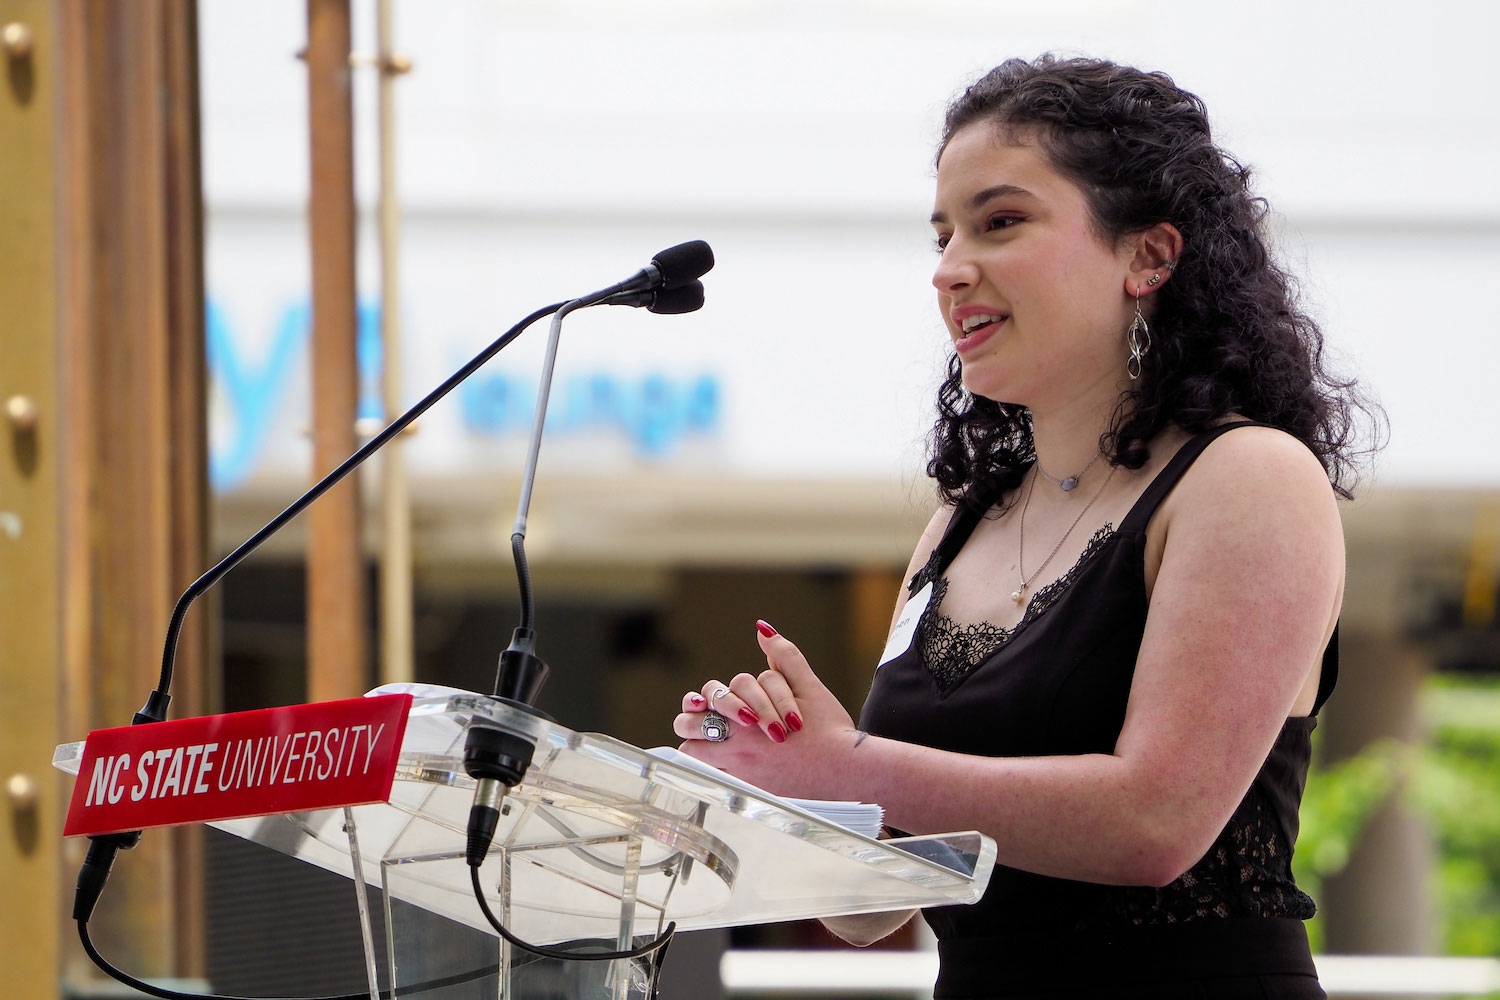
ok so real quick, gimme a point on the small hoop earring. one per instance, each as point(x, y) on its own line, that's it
point(1138, 338)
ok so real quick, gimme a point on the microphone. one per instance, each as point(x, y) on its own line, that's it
point(672, 268)
point(664, 301)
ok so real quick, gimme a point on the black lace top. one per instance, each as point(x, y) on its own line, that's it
point(951, 649)
point(1057, 683)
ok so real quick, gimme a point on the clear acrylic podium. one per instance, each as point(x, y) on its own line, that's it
point(598, 849)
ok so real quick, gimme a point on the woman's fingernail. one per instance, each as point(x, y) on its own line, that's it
point(765, 629)
point(778, 734)
point(749, 718)
point(696, 699)
point(794, 722)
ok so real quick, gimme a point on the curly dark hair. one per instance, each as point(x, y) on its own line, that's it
point(1228, 336)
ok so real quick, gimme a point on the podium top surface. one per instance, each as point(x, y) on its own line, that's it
point(601, 832)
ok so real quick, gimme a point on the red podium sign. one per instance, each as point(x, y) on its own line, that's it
point(273, 760)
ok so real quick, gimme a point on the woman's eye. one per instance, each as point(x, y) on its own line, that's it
point(940, 242)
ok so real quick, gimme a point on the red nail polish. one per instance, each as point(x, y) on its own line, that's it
point(749, 718)
point(765, 629)
point(778, 735)
point(696, 699)
point(794, 722)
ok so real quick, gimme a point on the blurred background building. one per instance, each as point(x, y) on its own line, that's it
point(761, 458)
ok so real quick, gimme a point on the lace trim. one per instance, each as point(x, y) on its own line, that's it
point(952, 650)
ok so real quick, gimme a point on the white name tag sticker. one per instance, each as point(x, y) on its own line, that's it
point(906, 625)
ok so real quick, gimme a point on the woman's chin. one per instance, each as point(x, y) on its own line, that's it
point(985, 385)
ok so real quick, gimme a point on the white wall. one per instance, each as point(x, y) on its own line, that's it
point(550, 147)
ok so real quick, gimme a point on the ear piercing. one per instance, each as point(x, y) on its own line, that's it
point(1138, 339)
point(1155, 279)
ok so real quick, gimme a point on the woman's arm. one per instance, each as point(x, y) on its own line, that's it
point(1250, 574)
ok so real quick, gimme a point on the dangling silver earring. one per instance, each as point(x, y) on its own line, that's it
point(1139, 341)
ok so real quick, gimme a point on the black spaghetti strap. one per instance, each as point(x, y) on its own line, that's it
point(1166, 480)
point(960, 526)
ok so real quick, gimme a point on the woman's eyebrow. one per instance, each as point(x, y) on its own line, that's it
point(987, 194)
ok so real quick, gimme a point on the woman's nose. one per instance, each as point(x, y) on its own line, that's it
point(955, 269)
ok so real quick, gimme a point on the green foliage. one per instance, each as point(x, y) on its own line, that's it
point(1453, 782)
point(1339, 801)
point(1458, 789)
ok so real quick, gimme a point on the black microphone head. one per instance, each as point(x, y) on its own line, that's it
point(684, 263)
point(688, 298)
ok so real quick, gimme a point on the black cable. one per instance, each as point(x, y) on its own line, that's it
point(661, 960)
point(558, 953)
point(166, 994)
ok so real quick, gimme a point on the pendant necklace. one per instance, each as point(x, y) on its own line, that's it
point(1069, 484)
point(1020, 591)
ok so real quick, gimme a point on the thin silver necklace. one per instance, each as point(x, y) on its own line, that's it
point(1020, 591)
point(1069, 484)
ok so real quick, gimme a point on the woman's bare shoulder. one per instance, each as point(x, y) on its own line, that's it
point(1250, 463)
point(1255, 483)
point(1251, 482)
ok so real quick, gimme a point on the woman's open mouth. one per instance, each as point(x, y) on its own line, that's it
point(977, 329)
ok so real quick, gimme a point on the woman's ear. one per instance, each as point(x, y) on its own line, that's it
point(1155, 255)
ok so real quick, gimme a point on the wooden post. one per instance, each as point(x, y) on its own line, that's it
point(336, 621)
point(102, 457)
point(30, 533)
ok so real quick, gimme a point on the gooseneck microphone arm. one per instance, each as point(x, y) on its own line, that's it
point(669, 284)
point(665, 285)
point(159, 697)
point(684, 298)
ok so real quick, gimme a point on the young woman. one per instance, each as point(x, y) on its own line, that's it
point(1120, 622)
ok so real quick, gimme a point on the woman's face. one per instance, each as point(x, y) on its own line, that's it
point(1041, 295)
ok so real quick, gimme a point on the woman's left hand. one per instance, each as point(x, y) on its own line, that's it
point(816, 726)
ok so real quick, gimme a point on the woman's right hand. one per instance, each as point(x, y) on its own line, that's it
point(762, 701)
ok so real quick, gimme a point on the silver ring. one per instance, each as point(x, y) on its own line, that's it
point(713, 699)
point(715, 727)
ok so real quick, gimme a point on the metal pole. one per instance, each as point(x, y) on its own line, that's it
point(396, 640)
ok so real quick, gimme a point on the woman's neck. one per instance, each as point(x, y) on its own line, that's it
point(1067, 438)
